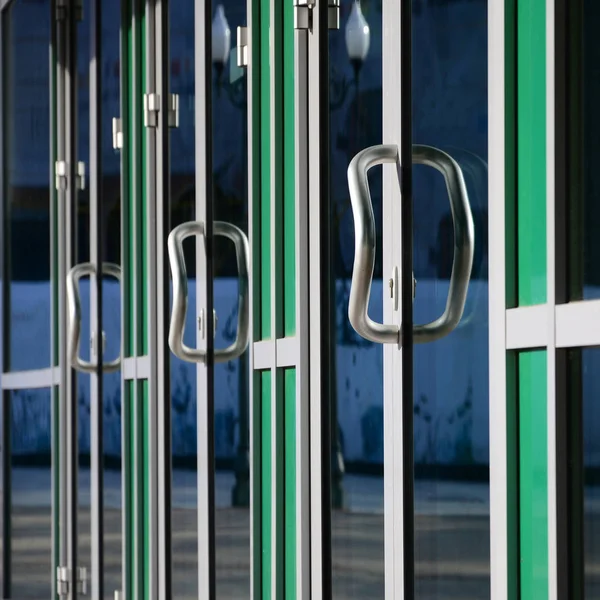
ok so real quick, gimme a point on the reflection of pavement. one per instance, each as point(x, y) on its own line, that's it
point(31, 487)
point(452, 538)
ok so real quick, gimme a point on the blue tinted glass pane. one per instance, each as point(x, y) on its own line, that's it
point(356, 383)
point(450, 112)
point(26, 182)
point(31, 497)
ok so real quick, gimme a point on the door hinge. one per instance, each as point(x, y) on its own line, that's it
point(303, 14)
point(62, 8)
point(64, 581)
point(60, 174)
point(117, 131)
point(242, 46)
point(152, 108)
point(61, 178)
point(81, 175)
point(333, 14)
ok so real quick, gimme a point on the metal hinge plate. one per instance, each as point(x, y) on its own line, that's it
point(152, 108)
point(242, 46)
point(81, 175)
point(117, 131)
point(303, 14)
point(60, 175)
point(333, 14)
point(64, 581)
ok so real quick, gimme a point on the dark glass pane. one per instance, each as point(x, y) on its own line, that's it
point(26, 182)
point(450, 106)
point(183, 374)
point(31, 498)
point(357, 365)
point(584, 150)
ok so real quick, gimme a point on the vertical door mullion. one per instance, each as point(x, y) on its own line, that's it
point(392, 259)
point(126, 295)
point(253, 8)
point(204, 303)
point(151, 570)
point(318, 219)
point(96, 288)
point(406, 287)
point(159, 226)
point(302, 430)
point(69, 392)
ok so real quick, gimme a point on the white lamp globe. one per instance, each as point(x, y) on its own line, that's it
point(358, 35)
point(221, 37)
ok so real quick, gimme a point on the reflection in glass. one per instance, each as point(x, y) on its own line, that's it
point(31, 511)
point(584, 129)
point(584, 471)
point(183, 374)
point(26, 177)
point(357, 365)
point(230, 204)
point(231, 380)
point(451, 375)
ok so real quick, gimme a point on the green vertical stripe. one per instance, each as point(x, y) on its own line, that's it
point(533, 475)
point(265, 157)
point(266, 479)
point(510, 150)
point(290, 483)
point(531, 138)
point(144, 426)
point(512, 470)
point(289, 215)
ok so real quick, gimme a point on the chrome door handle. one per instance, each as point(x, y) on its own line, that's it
point(180, 292)
point(74, 317)
point(364, 232)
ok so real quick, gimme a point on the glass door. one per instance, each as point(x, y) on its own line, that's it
point(416, 292)
point(208, 252)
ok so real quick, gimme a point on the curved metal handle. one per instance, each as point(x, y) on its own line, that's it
point(364, 259)
point(464, 243)
point(74, 316)
point(364, 240)
point(180, 292)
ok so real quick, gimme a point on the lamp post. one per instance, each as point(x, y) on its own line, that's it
point(358, 38)
point(236, 92)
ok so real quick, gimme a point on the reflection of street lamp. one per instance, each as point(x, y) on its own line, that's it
point(221, 42)
point(221, 47)
point(358, 38)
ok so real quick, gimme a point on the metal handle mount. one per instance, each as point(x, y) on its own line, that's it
point(180, 292)
point(74, 317)
point(364, 233)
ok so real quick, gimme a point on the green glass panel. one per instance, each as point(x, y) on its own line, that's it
point(266, 481)
point(265, 157)
point(531, 139)
point(145, 420)
point(512, 470)
point(533, 475)
point(289, 215)
point(510, 152)
point(290, 483)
